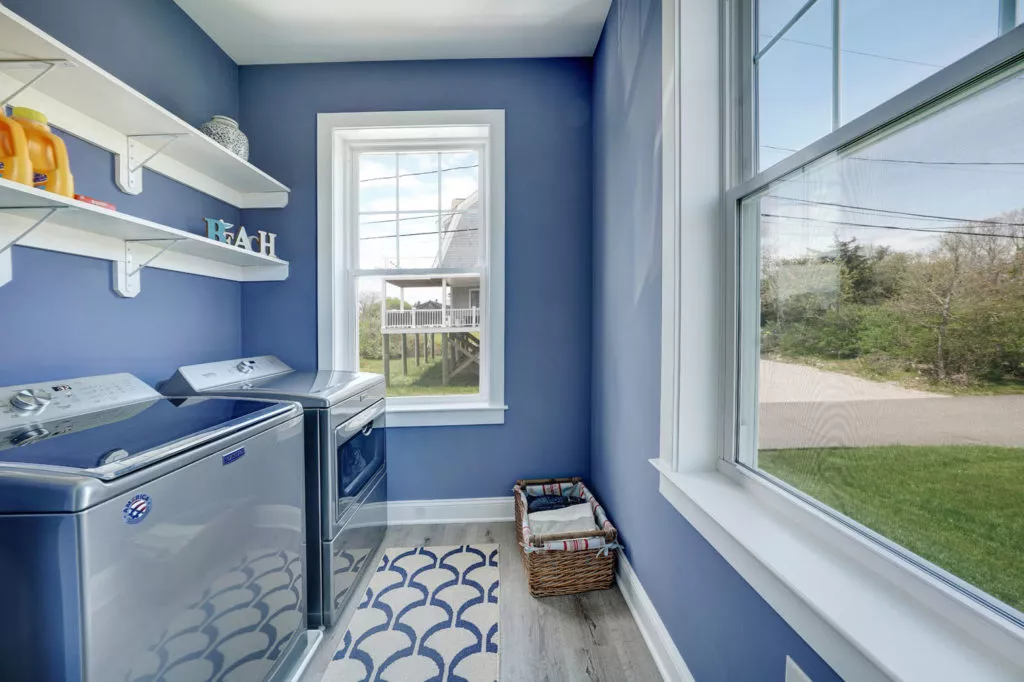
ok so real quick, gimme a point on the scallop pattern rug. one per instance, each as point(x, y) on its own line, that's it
point(430, 614)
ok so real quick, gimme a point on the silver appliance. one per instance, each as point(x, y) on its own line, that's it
point(346, 462)
point(141, 540)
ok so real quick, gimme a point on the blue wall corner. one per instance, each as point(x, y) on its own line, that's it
point(151, 45)
point(61, 317)
point(723, 628)
point(548, 252)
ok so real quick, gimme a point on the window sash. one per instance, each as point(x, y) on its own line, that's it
point(747, 53)
point(742, 251)
point(353, 273)
point(351, 254)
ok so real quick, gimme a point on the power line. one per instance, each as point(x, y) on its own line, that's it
point(878, 212)
point(430, 215)
point(857, 52)
point(914, 162)
point(887, 227)
point(430, 172)
point(431, 232)
point(883, 211)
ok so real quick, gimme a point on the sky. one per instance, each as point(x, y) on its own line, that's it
point(964, 162)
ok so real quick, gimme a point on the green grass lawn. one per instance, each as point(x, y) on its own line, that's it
point(960, 507)
point(424, 379)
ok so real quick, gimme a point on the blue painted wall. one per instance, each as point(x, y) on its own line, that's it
point(723, 628)
point(61, 318)
point(548, 258)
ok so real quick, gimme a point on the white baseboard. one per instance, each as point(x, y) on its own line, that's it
point(667, 657)
point(463, 510)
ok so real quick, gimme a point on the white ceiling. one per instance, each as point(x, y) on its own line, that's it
point(294, 31)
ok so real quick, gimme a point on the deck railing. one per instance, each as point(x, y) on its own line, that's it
point(430, 318)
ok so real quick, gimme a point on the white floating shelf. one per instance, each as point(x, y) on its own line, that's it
point(130, 243)
point(86, 101)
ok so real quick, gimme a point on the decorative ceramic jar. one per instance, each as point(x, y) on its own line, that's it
point(224, 131)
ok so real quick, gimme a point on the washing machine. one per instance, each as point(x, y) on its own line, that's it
point(143, 540)
point(346, 462)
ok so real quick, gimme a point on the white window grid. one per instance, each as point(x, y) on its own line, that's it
point(417, 214)
point(353, 272)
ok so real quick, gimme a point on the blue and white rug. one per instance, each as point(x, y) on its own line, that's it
point(429, 614)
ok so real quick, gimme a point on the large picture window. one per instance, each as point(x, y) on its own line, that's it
point(882, 337)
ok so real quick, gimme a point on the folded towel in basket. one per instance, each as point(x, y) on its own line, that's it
point(547, 502)
point(575, 518)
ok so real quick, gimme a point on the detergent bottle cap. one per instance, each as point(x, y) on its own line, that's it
point(30, 114)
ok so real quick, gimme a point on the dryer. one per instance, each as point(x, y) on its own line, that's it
point(346, 462)
point(143, 540)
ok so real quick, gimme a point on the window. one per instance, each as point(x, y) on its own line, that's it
point(822, 63)
point(839, 345)
point(416, 221)
point(881, 289)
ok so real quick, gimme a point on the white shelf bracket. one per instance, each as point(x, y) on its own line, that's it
point(127, 275)
point(6, 264)
point(128, 166)
point(48, 64)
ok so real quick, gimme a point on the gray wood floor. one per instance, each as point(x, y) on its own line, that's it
point(587, 637)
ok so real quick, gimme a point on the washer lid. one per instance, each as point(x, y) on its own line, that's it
point(109, 443)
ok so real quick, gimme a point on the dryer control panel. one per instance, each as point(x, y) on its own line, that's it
point(206, 377)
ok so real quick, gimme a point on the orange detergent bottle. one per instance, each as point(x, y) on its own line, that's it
point(15, 164)
point(50, 167)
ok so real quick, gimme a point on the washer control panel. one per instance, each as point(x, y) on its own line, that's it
point(213, 375)
point(28, 411)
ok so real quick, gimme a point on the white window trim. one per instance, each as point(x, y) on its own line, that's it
point(336, 334)
point(870, 615)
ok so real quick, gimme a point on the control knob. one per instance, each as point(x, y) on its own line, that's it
point(31, 400)
point(29, 436)
point(243, 367)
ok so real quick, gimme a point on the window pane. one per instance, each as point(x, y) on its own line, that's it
point(795, 87)
point(462, 237)
point(889, 45)
point(419, 224)
point(377, 243)
point(460, 171)
point(418, 250)
point(377, 182)
point(432, 317)
point(885, 47)
point(417, 182)
point(885, 328)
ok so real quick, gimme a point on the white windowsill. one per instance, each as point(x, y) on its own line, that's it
point(444, 414)
point(864, 625)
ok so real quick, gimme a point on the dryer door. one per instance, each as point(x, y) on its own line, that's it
point(358, 451)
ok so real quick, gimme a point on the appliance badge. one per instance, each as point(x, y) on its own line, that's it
point(136, 509)
point(232, 456)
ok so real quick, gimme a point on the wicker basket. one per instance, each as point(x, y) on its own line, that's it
point(555, 572)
